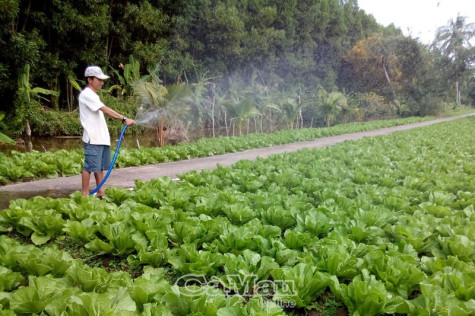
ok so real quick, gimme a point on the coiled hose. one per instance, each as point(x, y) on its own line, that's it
point(112, 163)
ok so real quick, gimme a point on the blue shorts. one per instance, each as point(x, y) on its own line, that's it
point(97, 157)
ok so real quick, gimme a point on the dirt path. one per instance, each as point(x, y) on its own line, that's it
point(124, 178)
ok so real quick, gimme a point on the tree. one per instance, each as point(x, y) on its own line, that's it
point(169, 102)
point(290, 110)
point(19, 46)
point(375, 66)
point(243, 110)
point(204, 98)
point(393, 66)
point(289, 42)
point(331, 104)
point(454, 42)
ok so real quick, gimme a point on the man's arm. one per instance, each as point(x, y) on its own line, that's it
point(111, 113)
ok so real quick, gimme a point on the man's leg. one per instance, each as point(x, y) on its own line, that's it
point(86, 176)
point(99, 176)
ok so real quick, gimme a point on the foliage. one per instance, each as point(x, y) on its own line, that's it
point(454, 43)
point(55, 123)
point(131, 73)
point(279, 40)
point(373, 106)
point(28, 98)
point(397, 68)
point(272, 47)
point(168, 102)
point(331, 104)
point(4, 138)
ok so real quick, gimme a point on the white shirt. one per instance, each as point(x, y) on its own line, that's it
point(92, 119)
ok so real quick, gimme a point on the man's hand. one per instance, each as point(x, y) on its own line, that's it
point(129, 122)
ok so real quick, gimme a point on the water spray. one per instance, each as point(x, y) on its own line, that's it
point(149, 116)
point(146, 116)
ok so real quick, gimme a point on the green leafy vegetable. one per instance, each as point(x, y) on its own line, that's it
point(301, 285)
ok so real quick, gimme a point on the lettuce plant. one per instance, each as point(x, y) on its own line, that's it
point(300, 285)
point(365, 295)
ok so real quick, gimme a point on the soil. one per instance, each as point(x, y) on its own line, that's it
point(125, 177)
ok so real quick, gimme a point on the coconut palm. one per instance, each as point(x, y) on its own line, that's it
point(268, 109)
point(205, 106)
point(331, 104)
point(290, 110)
point(454, 41)
point(171, 101)
point(242, 111)
point(265, 102)
point(240, 103)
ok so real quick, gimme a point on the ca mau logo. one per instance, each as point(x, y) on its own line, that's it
point(246, 285)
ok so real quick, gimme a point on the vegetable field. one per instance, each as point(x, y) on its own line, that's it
point(19, 166)
point(382, 225)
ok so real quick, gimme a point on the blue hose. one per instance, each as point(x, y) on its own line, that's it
point(112, 163)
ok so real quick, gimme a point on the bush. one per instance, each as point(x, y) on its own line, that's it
point(48, 122)
point(374, 106)
point(55, 123)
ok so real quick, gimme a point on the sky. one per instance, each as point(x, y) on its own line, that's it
point(419, 18)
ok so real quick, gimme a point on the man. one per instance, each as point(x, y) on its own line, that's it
point(96, 136)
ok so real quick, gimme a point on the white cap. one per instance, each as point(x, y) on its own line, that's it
point(94, 71)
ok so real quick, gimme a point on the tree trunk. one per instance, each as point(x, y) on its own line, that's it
point(162, 134)
point(383, 63)
point(27, 15)
point(157, 129)
point(28, 129)
point(301, 118)
point(212, 108)
point(69, 95)
point(457, 88)
point(226, 124)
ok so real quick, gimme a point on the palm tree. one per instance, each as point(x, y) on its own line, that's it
point(268, 108)
point(265, 101)
point(169, 101)
point(243, 111)
point(290, 108)
point(240, 102)
point(205, 105)
point(331, 104)
point(454, 42)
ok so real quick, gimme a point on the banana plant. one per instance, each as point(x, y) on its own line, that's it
point(28, 97)
point(4, 138)
point(72, 83)
point(131, 74)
